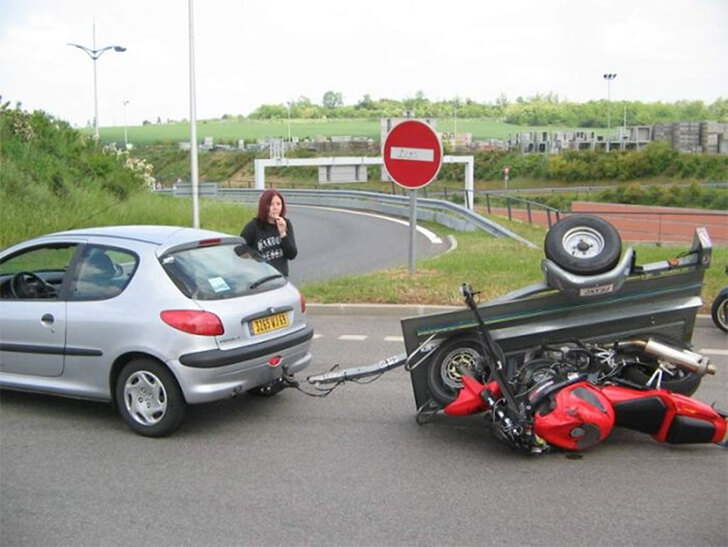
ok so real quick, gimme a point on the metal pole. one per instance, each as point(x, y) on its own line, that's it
point(609, 78)
point(126, 135)
point(413, 230)
point(96, 95)
point(193, 128)
point(95, 54)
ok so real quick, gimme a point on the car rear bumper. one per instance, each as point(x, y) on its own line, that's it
point(241, 370)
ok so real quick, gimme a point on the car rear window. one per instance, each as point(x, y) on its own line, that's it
point(220, 271)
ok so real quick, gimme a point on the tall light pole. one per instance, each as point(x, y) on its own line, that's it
point(609, 78)
point(194, 170)
point(126, 137)
point(95, 54)
point(288, 104)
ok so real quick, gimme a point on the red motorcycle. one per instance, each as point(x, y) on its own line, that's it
point(571, 396)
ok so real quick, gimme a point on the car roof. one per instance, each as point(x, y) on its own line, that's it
point(163, 236)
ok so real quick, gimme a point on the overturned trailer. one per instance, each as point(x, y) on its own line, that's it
point(652, 301)
point(592, 295)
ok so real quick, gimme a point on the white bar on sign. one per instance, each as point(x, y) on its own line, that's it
point(412, 154)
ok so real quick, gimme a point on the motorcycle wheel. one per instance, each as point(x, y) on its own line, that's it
point(444, 379)
point(682, 381)
point(719, 311)
point(583, 245)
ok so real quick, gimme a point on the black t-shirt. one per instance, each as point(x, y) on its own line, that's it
point(264, 238)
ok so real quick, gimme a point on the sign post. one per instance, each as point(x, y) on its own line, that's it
point(412, 156)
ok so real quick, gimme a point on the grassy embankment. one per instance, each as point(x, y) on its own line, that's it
point(231, 130)
point(52, 179)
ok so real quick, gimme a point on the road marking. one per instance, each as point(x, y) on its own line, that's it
point(429, 234)
point(711, 351)
point(394, 338)
point(317, 335)
point(353, 337)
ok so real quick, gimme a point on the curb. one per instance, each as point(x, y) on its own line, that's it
point(409, 310)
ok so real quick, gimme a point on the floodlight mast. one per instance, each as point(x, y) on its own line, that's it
point(609, 78)
point(95, 54)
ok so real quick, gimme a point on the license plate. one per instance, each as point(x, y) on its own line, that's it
point(272, 322)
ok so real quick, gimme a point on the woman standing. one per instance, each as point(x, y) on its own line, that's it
point(271, 233)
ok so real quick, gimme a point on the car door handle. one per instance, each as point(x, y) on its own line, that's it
point(47, 319)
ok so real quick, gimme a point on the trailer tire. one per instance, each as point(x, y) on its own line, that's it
point(443, 377)
point(583, 245)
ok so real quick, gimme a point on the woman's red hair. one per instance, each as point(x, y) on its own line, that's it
point(264, 205)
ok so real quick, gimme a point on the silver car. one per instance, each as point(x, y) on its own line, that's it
point(150, 318)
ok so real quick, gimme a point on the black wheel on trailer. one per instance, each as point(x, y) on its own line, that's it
point(444, 379)
point(583, 245)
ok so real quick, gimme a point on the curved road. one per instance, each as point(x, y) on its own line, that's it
point(334, 242)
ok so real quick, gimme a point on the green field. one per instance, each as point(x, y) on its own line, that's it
point(231, 130)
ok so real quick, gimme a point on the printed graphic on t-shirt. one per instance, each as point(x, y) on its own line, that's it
point(270, 248)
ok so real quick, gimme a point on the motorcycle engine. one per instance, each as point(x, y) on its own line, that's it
point(572, 414)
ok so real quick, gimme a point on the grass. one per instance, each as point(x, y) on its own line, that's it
point(495, 266)
point(230, 131)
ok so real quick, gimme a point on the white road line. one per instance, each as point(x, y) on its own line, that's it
point(317, 335)
point(353, 337)
point(394, 338)
point(711, 351)
point(429, 234)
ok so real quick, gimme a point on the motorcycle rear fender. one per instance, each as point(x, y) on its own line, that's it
point(669, 417)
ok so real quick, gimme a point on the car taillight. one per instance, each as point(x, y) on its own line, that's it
point(199, 322)
point(303, 302)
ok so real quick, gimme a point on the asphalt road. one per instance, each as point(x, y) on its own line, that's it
point(333, 242)
point(350, 469)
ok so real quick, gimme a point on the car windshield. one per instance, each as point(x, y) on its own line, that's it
point(220, 272)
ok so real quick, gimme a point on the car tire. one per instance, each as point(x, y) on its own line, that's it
point(583, 245)
point(443, 378)
point(149, 398)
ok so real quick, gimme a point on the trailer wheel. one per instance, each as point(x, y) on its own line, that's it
point(583, 245)
point(444, 376)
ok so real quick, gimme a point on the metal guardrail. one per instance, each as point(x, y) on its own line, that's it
point(439, 211)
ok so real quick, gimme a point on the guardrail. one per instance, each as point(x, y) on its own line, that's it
point(439, 211)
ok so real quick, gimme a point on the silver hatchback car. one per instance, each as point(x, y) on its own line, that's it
point(150, 318)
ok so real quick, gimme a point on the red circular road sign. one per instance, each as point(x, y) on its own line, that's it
point(412, 154)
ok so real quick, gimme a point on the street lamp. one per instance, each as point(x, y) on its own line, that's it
point(609, 78)
point(126, 139)
point(288, 104)
point(95, 54)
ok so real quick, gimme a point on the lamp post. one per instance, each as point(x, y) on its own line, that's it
point(126, 137)
point(609, 78)
point(95, 54)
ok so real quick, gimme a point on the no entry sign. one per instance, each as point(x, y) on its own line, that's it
point(412, 154)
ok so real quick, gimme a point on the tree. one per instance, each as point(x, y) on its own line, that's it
point(332, 99)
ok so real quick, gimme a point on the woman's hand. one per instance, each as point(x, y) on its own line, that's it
point(281, 225)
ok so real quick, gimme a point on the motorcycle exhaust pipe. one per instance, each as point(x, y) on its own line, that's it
point(688, 360)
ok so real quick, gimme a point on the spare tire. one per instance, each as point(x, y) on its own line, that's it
point(583, 245)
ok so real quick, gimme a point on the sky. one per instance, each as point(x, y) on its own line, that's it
point(248, 53)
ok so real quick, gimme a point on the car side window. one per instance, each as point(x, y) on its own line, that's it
point(102, 272)
point(35, 273)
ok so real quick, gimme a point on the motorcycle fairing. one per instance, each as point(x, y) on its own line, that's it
point(575, 418)
point(669, 417)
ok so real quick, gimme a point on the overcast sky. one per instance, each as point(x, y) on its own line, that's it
point(248, 53)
